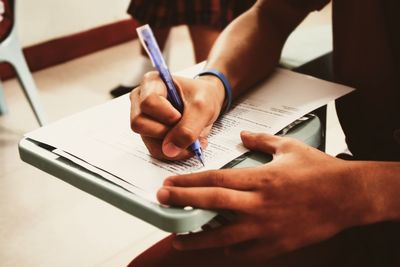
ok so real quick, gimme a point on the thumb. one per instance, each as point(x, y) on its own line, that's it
point(262, 142)
point(185, 132)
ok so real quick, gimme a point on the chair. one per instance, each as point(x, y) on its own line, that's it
point(11, 52)
point(322, 68)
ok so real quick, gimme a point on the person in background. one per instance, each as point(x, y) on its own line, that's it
point(205, 19)
point(304, 208)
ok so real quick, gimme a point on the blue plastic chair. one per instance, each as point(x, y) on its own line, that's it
point(11, 52)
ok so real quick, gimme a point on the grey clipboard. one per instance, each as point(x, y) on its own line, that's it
point(169, 219)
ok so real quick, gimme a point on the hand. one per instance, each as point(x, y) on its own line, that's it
point(301, 197)
point(167, 133)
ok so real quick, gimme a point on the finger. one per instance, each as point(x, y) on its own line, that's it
point(196, 116)
point(219, 237)
point(160, 109)
point(142, 124)
point(215, 198)
point(153, 100)
point(260, 141)
point(238, 179)
point(148, 127)
point(154, 147)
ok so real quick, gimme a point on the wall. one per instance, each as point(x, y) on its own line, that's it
point(43, 20)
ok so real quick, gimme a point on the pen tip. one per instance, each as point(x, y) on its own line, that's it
point(199, 156)
point(201, 159)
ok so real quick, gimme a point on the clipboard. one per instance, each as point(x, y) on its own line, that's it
point(169, 219)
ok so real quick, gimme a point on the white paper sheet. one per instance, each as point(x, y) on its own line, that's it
point(102, 137)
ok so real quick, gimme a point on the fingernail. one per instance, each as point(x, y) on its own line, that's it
point(171, 150)
point(163, 195)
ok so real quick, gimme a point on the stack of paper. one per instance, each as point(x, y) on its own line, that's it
point(101, 139)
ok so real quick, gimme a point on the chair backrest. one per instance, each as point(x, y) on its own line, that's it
point(8, 23)
point(13, 7)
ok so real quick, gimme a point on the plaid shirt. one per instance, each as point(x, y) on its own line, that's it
point(166, 13)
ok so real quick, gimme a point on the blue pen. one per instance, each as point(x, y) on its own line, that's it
point(149, 43)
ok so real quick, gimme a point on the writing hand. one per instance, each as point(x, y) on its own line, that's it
point(166, 133)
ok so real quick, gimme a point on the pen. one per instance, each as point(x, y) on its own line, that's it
point(149, 43)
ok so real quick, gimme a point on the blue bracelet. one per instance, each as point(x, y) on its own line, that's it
point(227, 87)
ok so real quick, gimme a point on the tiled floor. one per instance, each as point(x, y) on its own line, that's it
point(45, 222)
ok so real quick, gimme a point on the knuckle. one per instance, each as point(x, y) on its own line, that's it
point(150, 76)
point(199, 104)
point(221, 199)
point(272, 186)
point(149, 103)
point(290, 140)
point(217, 178)
point(136, 124)
point(172, 118)
point(268, 181)
point(286, 142)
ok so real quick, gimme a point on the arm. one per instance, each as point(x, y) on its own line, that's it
point(301, 197)
point(259, 34)
point(248, 50)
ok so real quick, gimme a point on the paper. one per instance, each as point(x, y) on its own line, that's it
point(102, 137)
point(106, 175)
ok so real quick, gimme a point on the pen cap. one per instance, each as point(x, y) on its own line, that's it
point(150, 44)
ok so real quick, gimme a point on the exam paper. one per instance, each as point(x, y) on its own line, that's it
point(127, 186)
point(102, 137)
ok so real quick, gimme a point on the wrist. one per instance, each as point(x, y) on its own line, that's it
point(355, 204)
point(217, 89)
point(382, 183)
point(225, 85)
point(372, 193)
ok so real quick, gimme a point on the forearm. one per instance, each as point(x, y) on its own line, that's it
point(380, 185)
point(249, 49)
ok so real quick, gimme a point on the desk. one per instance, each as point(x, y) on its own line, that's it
point(168, 219)
point(308, 50)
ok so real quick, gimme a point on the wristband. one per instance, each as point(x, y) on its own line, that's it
point(227, 87)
